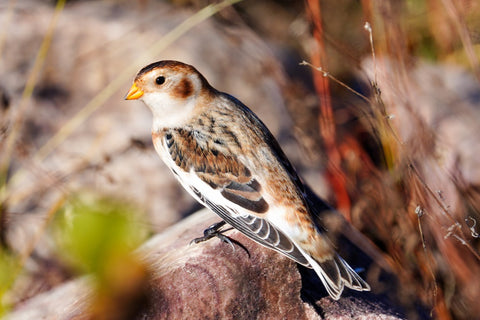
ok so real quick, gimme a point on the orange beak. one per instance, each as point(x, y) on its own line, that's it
point(134, 93)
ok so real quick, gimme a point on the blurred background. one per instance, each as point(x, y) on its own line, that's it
point(383, 123)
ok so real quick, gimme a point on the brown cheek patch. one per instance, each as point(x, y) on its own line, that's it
point(184, 89)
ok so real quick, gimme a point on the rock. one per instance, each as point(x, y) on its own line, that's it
point(211, 280)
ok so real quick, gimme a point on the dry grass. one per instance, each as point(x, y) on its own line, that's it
point(420, 213)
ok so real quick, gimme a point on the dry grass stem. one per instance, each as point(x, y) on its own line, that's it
point(19, 115)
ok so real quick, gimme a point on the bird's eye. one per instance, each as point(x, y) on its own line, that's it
point(160, 80)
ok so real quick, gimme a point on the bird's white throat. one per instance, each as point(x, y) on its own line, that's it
point(168, 112)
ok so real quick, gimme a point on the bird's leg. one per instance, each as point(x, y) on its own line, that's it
point(214, 231)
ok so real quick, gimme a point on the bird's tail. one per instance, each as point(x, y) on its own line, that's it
point(335, 274)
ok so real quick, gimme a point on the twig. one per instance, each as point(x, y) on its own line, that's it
point(472, 228)
point(329, 75)
point(27, 93)
point(464, 35)
point(368, 27)
point(8, 18)
point(419, 211)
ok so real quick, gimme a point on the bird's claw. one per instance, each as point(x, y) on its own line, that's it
point(214, 231)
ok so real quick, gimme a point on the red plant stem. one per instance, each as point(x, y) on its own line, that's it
point(335, 174)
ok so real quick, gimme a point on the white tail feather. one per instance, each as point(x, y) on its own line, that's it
point(344, 274)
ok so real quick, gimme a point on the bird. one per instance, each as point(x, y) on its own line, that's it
point(227, 159)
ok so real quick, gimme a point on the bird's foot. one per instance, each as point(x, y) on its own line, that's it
point(214, 231)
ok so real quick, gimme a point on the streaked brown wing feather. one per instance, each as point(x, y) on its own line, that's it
point(220, 171)
point(236, 184)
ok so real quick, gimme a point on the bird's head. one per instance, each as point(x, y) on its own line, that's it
point(171, 89)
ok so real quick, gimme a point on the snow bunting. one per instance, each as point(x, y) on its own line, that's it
point(228, 160)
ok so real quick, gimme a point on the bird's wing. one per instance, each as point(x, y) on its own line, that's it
point(225, 185)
